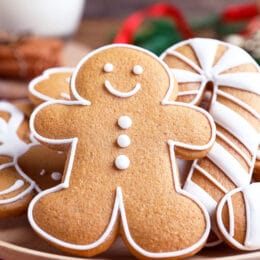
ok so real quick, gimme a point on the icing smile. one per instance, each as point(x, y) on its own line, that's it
point(118, 93)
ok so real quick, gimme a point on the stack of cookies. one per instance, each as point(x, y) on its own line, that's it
point(157, 150)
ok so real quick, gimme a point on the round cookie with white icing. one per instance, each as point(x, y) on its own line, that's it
point(51, 85)
point(20, 160)
point(238, 215)
point(227, 79)
point(121, 176)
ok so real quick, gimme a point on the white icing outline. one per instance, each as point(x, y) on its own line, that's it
point(46, 75)
point(118, 205)
point(121, 94)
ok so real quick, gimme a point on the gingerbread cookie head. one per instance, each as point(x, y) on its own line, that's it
point(121, 176)
point(122, 73)
point(52, 84)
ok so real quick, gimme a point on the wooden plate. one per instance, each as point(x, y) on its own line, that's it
point(18, 241)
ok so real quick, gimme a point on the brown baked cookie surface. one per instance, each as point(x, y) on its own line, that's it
point(226, 79)
point(121, 176)
point(51, 85)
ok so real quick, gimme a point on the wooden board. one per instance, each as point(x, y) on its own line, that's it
point(17, 89)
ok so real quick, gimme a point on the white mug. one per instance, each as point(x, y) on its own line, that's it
point(41, 17)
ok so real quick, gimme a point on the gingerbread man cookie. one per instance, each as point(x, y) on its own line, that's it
point(238, 218)
point(21, 162)
point(52, 84)
point(121, 176)
point(228, 78)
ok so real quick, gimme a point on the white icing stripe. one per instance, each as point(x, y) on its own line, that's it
point(249, 81)
point(186, 60)
point(229, 165)
point(202, 195)
point(231, 217)
point(19, 196)
point(251, 193)
point(212, 179)
point(205, 51)
point(239, 102)
point(187, 93)
point(209, 203)
point(11, 144)
point(17, 185)
point(237, 149)
point(121, 94)
point(184, 76)
point(231, 58)
point(235, 124)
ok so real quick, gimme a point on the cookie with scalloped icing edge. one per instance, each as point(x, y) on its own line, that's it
point(52, 84)
point(238, 218)
point(20, 160)
point(121, 176)
point(225, 80)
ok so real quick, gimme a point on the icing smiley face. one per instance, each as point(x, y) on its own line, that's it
point(119, 72)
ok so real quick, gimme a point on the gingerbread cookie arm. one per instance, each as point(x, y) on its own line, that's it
point(53, 125)
point(51, 85)
point(201, 139)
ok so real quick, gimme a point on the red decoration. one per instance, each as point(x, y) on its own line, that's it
point(133, 22)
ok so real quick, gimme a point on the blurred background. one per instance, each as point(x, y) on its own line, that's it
point(36, 35)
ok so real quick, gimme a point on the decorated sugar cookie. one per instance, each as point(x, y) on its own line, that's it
point(52, 84)
point(228, 79)
point(21, 163)
point(238, 217)
point(121, 176)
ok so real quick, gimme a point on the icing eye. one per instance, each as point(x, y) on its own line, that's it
point(138, 70)
point(108, 67)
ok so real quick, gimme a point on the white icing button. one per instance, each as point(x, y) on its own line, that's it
point(108, 67)
point(124, 122)
point(56, 176)
point(138, 70)
point(122, 162)
point(123, 141)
